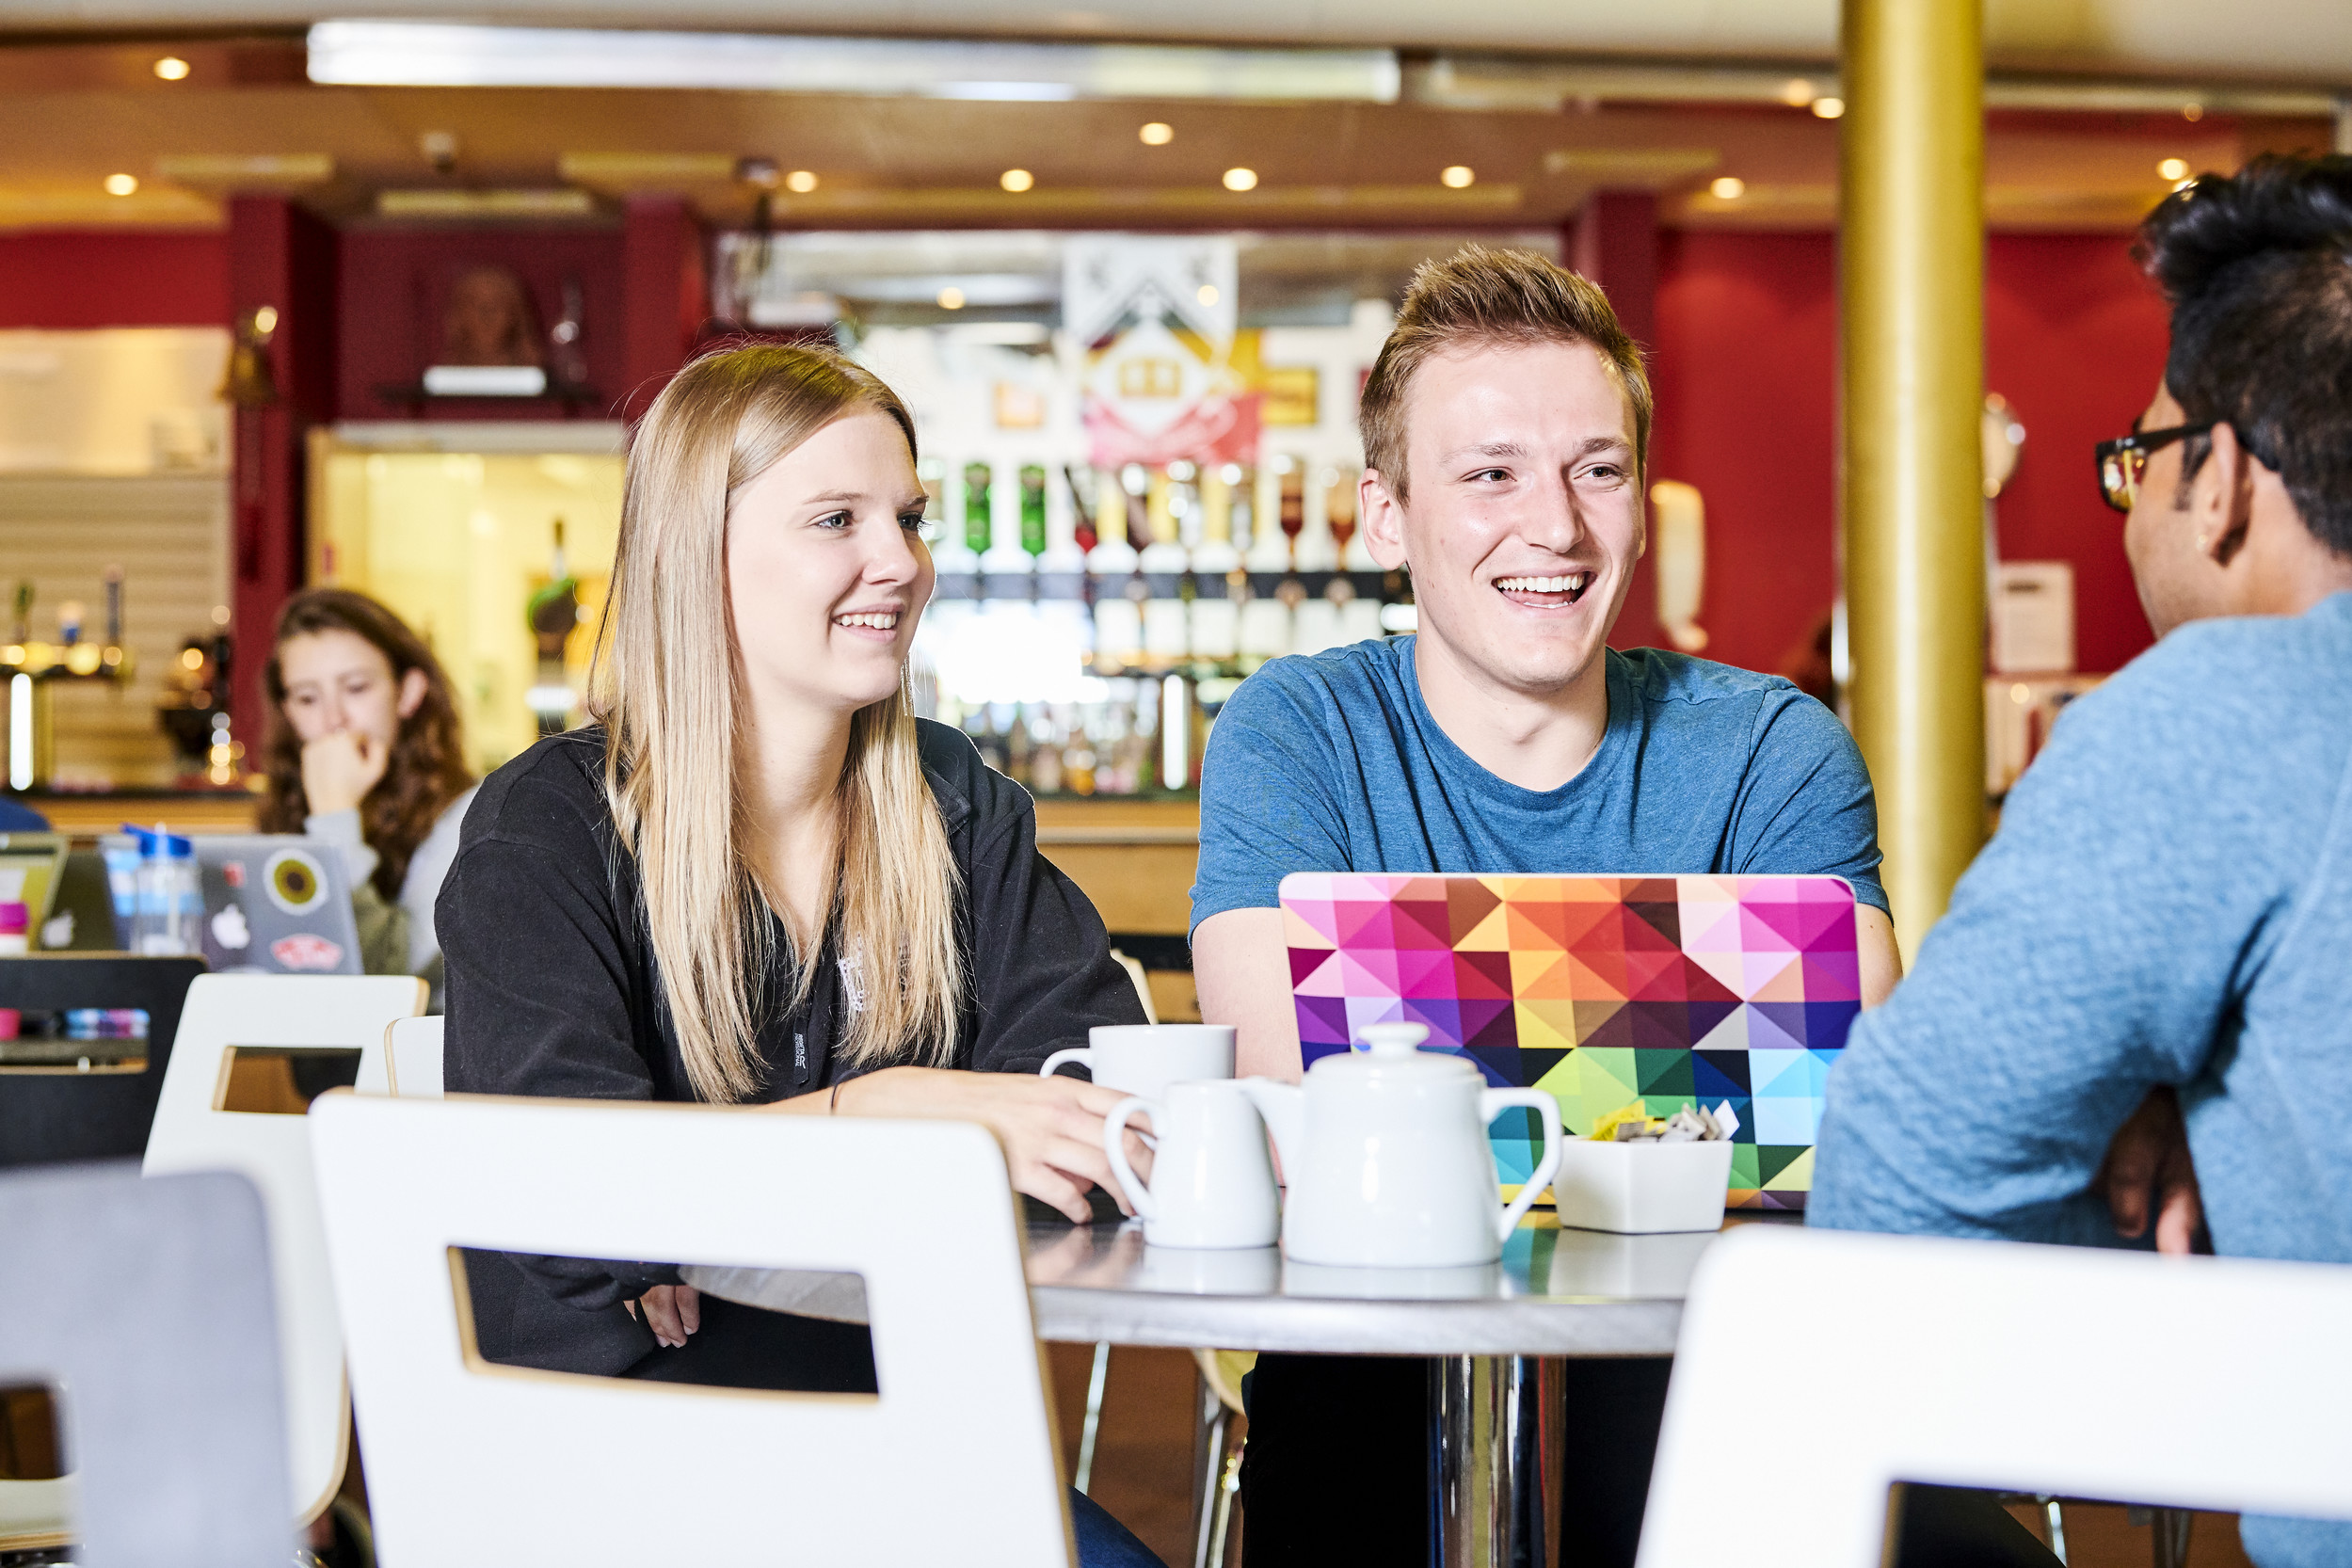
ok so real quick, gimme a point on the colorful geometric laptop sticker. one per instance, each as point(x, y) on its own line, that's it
point(1605, 990)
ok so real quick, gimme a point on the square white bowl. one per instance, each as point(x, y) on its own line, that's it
point(1638, 1189)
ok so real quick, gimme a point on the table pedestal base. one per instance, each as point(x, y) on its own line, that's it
point(1494, 1477)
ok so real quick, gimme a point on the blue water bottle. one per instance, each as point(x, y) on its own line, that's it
point(170, 901)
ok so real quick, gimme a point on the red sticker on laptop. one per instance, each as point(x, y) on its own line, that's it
point(305, 951)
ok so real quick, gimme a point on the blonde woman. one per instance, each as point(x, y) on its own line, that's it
point(759, 881)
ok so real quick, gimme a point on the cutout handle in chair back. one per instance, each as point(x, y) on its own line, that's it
point(473, 1461)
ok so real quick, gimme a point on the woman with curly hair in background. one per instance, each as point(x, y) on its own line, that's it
point(364, 752)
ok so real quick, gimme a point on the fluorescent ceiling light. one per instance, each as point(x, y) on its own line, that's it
point(438, 54)
point(1002, 291)
point(241, 169)
point(484, 204)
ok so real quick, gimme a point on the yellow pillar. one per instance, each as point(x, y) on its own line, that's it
point(1912, 276)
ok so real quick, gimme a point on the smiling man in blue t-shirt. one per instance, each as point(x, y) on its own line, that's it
point(1505, 430)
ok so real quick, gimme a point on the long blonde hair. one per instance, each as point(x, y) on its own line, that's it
point(668, 689)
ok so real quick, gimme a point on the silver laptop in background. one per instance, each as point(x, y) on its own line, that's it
point(273, 904)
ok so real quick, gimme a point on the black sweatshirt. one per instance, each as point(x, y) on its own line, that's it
point(553, 990)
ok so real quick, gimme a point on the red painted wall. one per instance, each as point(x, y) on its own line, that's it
point(1746, 375)
point(63, 279)
point(2074, 339)
point(284, 257)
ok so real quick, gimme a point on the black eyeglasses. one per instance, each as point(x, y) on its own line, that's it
point(2122, 460)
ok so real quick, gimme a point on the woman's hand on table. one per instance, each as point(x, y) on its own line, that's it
point(1051, 1128)
point(671, 1311)
point(339, 770)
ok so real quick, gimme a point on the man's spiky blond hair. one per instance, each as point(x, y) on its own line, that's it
point(1480, 298)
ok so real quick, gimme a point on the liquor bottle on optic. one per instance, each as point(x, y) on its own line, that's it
point(1316, 551)
point(1290, 475)
point(1268, 548)
point(1046, 768)
point(1110, 555)
point(1003, 552)
point(1063, 519)
point(1167, 508)
point(948, 508)
point(978, 506)
point(1078, 757)
point(1339, 511)
point(552, 613)
point(1032, 477)
point(1214, 552)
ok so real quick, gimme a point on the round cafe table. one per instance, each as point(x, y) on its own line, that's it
point(1494, 1333)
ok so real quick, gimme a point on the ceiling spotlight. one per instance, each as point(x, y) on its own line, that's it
point(1157, 132)
point(1728, 188)
point(2192, 112)
point(800, 182)
point(121, 184)
point(1240, 179)
point(1206, 294)
point(1829, 108)
point(950, 298)
point(2173, 168)
point(1457, 177)
point(1797, 92)
point(171, 68)
point(1016, 180)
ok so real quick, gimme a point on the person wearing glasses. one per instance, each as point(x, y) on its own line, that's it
point(2149, 961)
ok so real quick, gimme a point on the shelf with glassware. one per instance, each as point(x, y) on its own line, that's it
point(1089, 623)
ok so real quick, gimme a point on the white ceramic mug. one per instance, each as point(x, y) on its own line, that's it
point(1212, 1181)
point(1143, 1059)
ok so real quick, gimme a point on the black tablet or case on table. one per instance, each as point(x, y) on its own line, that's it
point(47, 1116)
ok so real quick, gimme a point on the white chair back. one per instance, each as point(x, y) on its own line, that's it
point(1135, 973)
point(406, 1061)
point(224, 1013)
point(471, 1462)
point(1865, 1360)
point(147, 1303)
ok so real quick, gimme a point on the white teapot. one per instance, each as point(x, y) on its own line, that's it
point(1386, 1156)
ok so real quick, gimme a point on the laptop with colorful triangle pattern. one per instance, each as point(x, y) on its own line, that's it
point(1668, 990)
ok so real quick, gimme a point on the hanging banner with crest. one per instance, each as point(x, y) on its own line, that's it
point(1156, 318)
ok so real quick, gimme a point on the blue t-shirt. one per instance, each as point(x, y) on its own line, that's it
point(1332, 763)
point(2168, 901)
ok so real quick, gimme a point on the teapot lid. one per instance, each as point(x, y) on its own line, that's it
point(1393, 1047)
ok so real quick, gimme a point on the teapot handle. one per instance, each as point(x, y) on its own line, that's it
point(1493, 1103)
point(1114, 1147)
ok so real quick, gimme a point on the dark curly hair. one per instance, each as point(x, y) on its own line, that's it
point(427, 769)
point(2258, 269)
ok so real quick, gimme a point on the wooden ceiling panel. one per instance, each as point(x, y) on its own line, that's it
point(70, 116)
